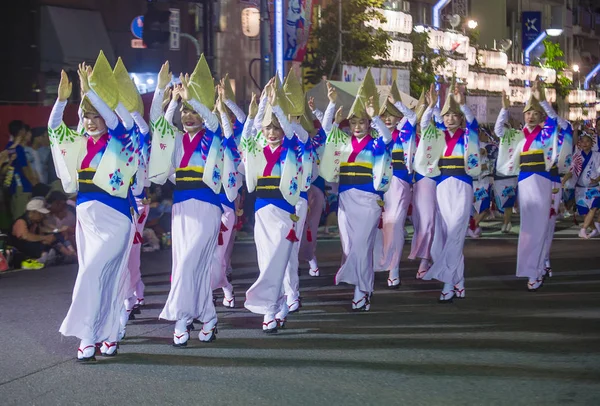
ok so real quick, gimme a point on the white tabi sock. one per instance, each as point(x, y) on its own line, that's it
point(313, 264)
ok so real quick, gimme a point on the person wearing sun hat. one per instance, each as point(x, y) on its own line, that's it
point(26, 235)
point(401, 121)
point(198, 162)
point(361, 163)
point(273, 170)
point(99, 165)
point(530, 154)
point(449, 153)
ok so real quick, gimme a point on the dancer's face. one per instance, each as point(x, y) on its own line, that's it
point(192, 122)
point(274, 135)
point(390, 120)
point(359, 126)
point(533, 118)
point(94, 124)
point(452, 121)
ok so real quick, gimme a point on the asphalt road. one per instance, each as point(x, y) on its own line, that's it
point(501, 345)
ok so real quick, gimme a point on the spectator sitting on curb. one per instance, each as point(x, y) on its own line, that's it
point(28, 238)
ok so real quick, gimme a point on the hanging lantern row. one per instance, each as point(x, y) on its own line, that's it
point(516, 71)
point(400, 51)
point(520, 94)
point(458, 67)
point(396, 21)
point(487, 82)
point(582, 113)
point(448, 41)
point(492, 59)
point(472, 55)
point(581, 97)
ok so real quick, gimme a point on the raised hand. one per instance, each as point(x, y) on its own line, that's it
point(84, 79)
point(272, 95)
point(392, 99)
point(339, 117)
point(185, 91)
point(65, 87)
point(459, 96)
point(505, 100)
point(331, 93)
point(253, 110)
point(311, 104)
point(432, 96)
point(164, 76)
point(167, 97)
point(370, 107)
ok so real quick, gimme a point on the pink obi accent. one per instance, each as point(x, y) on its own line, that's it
point(451, 140)
point(358, 146)
point(189, 146)
point(93, 147)
point(272, 158)
point(530, 137)
point(395, 135)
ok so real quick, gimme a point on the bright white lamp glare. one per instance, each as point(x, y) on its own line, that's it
point(472, 24)
point(419, 28)
point(575, 68)
point(554, 32)
point(150, 81)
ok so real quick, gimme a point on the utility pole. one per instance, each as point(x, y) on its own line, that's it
point(340, 38)
point(265, 44)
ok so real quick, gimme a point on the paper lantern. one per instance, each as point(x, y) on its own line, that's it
point(250, 22)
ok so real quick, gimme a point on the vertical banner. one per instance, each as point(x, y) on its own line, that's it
point(531, 26)
point(297, 28)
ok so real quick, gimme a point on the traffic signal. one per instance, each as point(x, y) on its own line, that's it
point(156, 26)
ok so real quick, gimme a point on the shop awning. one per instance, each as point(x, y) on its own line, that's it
point(70, 36)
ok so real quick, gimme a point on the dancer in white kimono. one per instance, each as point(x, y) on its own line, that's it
point(423, 202)
point(450, 154)
point(530, 154)
point(199, 160)
point(585, 168)
point(272, 164)
point(316, 193)
point(222, 264)
point(402, 123)
point(361, 163)
point(505, 187)
point(99, 166)
point(562, 167)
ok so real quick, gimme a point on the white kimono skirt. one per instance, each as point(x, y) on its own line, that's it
point(396, 201)
point(316, 205)
point(136, 286)
point(194, 242)
point(423, 217)
point(291, 281)
point(534, 204)
point(271, 228)
point(223, 250)
point(103, 244)
point(358, 217)
point(453, 210)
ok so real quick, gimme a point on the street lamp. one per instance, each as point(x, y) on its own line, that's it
point(437, 8)
point(588, 78)
point(472, 24)
point(552, 32)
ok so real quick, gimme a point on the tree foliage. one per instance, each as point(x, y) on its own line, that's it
point(362, 45)
point(424, 64)
point(553, 57)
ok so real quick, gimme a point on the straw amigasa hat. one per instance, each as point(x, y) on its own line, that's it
point(294, 96)
point(128, 93)
point(366, 90)
point(533, 104)
point(201, 85)
point(451, 105)
point(421, 106)
point(104, 84)
point(388, 106)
